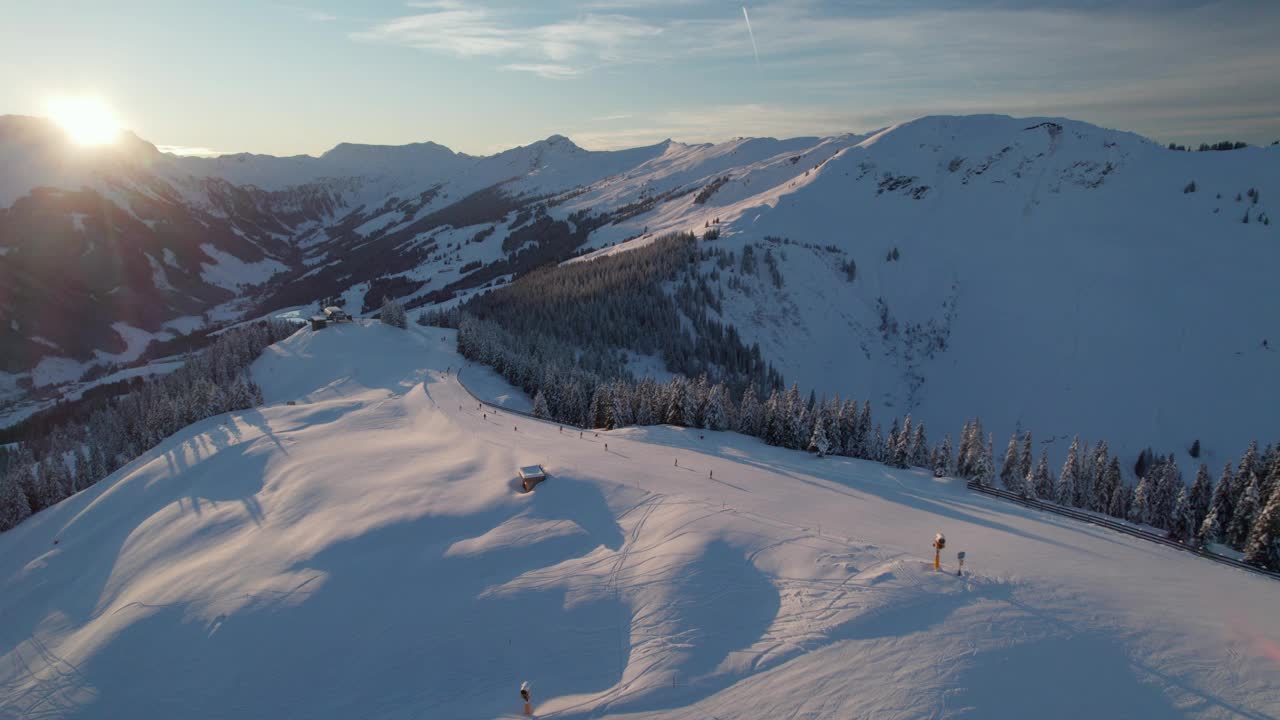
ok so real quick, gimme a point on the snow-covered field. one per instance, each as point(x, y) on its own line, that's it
point(364, 553)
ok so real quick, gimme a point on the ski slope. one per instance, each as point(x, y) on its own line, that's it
point(363, 554)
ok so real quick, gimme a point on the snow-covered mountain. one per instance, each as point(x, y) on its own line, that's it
point(356, 547)
point(1036, 271)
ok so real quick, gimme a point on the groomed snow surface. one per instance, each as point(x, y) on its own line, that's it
point(364, 554)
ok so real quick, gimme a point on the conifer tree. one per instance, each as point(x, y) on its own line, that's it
point(1247, 510)
point(1026, 457)
point(793, 435)
point(820, 441)
point(942, 464)
point(1117, 506)
point(1263, 546)
point(1010, 475)
point(749, 413)
point(1104, 482)
point(1182, 525)
point(1069, 482)
point(985, 466)
point(1200, 497)
point(919, 453)
point(964, 466)
point(14, 507)
point(716, 415)
point(676, 402)
point(876, 451)
point(901, 450)
point(393, 314)
point(980, 446)
point(1221, 508)
point(540, 409)
point(1142, 511)
point(1043, 479)
point(862, 438)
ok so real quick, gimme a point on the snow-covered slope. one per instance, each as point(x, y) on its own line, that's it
point(1025, 270)
point(1040, 272)
point(364, 553)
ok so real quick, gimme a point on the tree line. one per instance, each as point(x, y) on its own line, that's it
point(560, 335)
point(106, 435)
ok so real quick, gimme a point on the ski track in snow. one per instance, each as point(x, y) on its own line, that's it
point(364, 553)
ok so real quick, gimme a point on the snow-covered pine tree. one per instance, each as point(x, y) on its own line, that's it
point(749, 411)
point(393, 313)
point(919, 454)
point(790, 434)
point(1118, 506)
point(1247, 469)
point(1247, 510)
point(676, 403)
point(1143, 510)
point(14, 507)
point(715, 416)
point(942, 462)
point(980, 444)
point(1010, 476)
point(964, 466)
point(772, 421)
point(1221, 508)
point(876, 449)
point(820, 440)
point(1027, 457)
point(985, 465)
point(1028, 486)
point(1170, 485)
point(540, 409)
point(938, 462)
point(1069, 482)
point(1263, 546)
point(1271, 478)
point(862, 437)
point(1182, 524)
point(901, 450)
point(846, 424)
point(1043, 477)
point(1087, 479)
point(696, 402)
point(1200, 497)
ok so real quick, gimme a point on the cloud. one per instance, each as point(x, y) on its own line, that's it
point(190, 151)
point(467, 30)
point(546, 70)
point(1161, 66)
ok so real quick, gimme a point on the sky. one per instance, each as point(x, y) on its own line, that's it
point(484, 75)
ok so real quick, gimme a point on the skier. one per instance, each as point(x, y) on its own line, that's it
point(526, 696)
point(606, 447)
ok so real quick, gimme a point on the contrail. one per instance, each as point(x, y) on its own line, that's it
point(752, 35)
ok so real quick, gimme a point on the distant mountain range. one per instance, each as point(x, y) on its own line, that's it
point(1033, 271)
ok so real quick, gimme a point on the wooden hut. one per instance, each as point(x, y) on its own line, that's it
point(530, 476)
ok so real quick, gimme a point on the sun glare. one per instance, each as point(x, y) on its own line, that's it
point(88, 121)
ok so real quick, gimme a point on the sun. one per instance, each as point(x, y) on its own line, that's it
point(88, 121)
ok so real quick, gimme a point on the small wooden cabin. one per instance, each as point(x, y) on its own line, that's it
point(335, 314)
point(530, 476)
point(318, 322)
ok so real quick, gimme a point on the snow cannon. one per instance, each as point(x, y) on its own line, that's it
point(939, 542)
